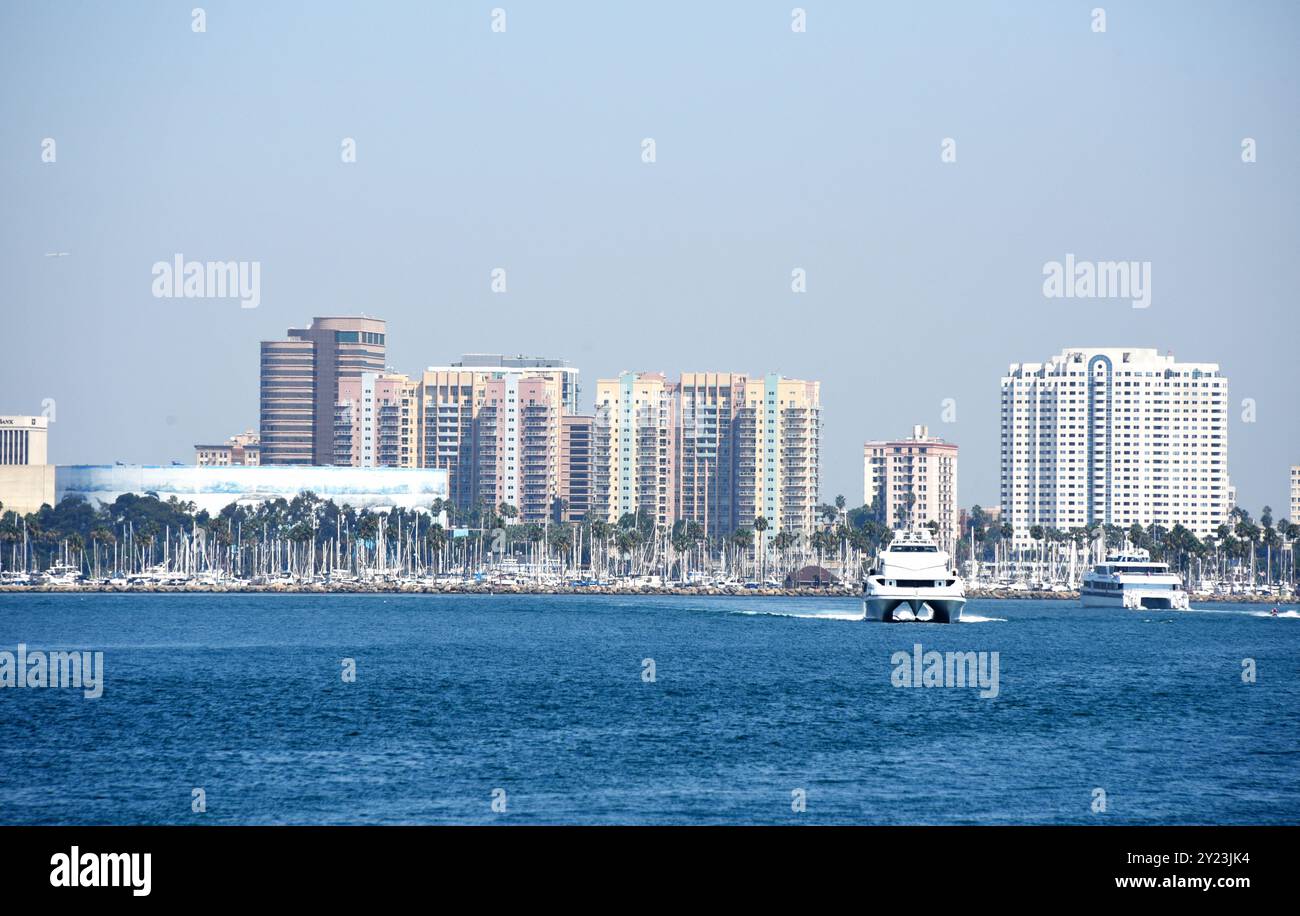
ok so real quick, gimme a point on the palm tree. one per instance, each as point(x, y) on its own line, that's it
point(101, 535)
point(75, 542)
point(680, 540)
point(625, 542)
point(783, 541)
point(1292, 534)
point(1272, 541)
point(742, 539)
point(600, 534)
point(760, 525)
point(1248, 534)
point(436, 539)
point(560, 539)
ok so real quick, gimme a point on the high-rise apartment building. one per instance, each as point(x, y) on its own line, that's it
point(635, 436)
point(1114, 435)
point(518, 444)
point(577, 456)
point(448, 405)
point(718, 449)
point(709, 467)
point(780, 435)
point(496, 428)
point(913, 482)
point(376, 421)
point(300, 379)
point(566, 375)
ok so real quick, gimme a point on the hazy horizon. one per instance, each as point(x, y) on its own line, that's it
point(775, 150)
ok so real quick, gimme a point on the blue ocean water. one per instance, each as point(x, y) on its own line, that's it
point(754, 699)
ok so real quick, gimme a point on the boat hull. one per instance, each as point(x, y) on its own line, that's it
point(895, 608)
point(1137, 600)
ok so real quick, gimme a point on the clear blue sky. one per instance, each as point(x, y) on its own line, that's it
point(775, 150)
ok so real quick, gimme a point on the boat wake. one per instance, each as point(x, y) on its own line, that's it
point(1288, 614)
point(825, 615)
point(842, 615)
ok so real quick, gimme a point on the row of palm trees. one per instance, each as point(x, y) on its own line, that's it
point(1239, 551)
point(308, 537)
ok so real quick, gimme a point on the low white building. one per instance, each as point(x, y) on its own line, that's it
point(213, 488)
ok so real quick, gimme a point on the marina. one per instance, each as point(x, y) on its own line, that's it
point(311, 546)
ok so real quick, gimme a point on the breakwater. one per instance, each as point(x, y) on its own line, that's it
point(507, 588)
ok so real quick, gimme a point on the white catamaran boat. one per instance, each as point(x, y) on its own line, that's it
point(1129, 579)
point(913, 580)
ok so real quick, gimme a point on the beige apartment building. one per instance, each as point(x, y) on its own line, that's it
point(376, 421)
point(496, 425)
point(709, 470)
point(780, 435)
point(635, 441)
point(718, 449)
point(913, 482)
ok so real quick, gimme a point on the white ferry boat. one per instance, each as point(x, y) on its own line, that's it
point(1130, 579)
point(913, 580)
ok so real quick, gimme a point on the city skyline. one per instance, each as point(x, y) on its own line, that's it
point(481, 365)
point(775, 153)
point(657, 415)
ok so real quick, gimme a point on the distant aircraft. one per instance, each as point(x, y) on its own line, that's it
point(56, 254)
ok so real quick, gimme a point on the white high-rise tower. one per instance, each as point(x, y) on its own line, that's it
point(1115, 435)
